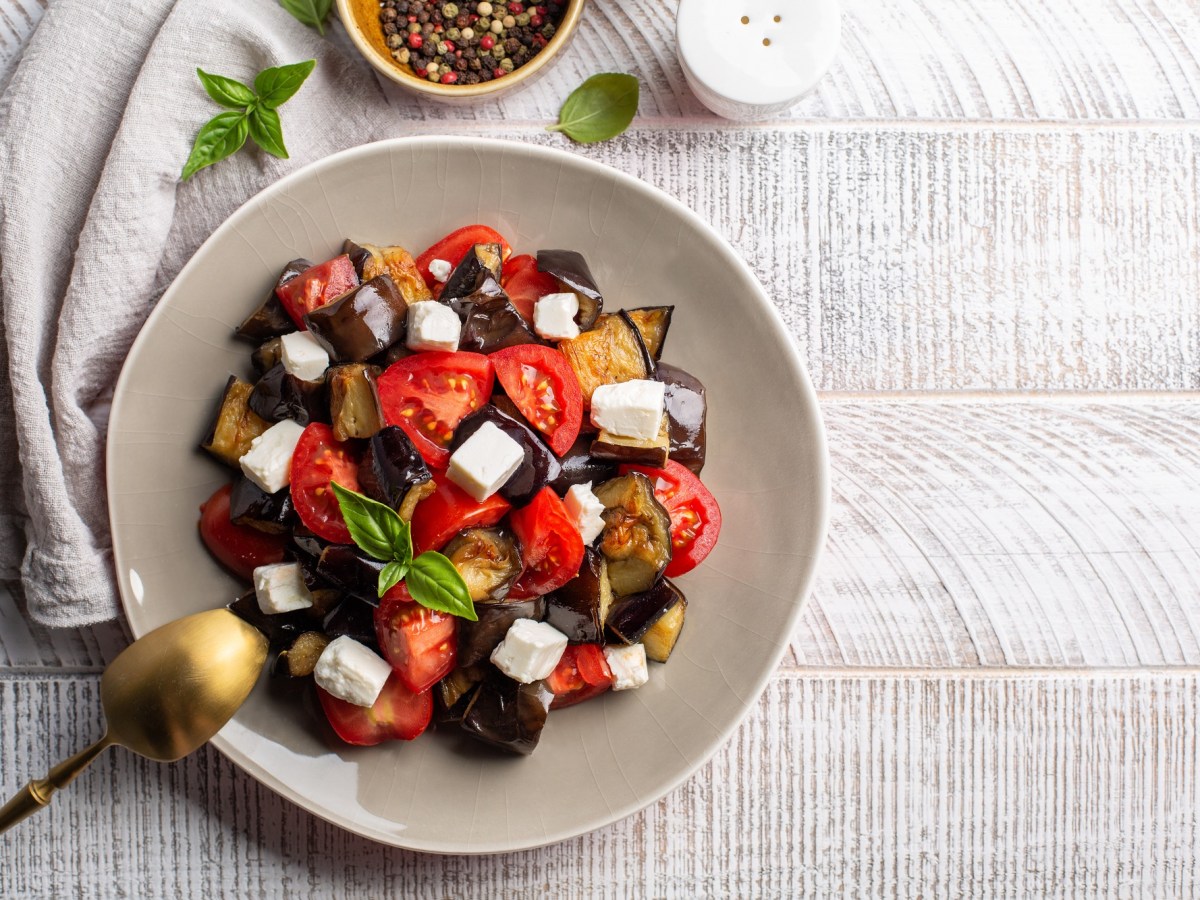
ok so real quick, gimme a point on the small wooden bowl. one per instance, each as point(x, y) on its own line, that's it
point(361, 20)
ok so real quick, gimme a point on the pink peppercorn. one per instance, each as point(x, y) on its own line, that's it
point(498, 72)
point(536, 21)
point(415, 41)
point(487, 42)
point(516, 8)
point(450, 78)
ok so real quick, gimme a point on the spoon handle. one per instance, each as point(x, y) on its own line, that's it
point(37, 793)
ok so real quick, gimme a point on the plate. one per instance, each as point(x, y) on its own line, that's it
point(767, 466)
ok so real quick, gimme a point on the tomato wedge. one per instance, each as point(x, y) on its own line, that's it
point(581, 674)
point(317, 286)
point(542, 384)
point(450, 509)
point(398, 715)
point(454, 246)
point(237, 547)
point(525, 285)
point(420, 643)
point(695, 516)
point(430, 393)
point(320, 458)
point(551, 547)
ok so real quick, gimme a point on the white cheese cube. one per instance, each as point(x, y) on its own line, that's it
point(440, 269)
point(554, 317)
point(432, 326)
point(585, 510)
point(268, 462)
point(632, 409)
point(303, 356)
point(280, 588)
point(486, 460)
point(530, 651)
point(628, 665)
point(351, 671)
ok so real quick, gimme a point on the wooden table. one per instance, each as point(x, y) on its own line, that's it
point(982, 230)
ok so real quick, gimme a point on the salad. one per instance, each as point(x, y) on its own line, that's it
point(464, 490)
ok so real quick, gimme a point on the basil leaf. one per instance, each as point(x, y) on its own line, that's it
point(435, 583)
point(226, 91)
point(390, 576)
point(310, 12)
point(267, 131)
point(221, 136)
point(277, 85)
point(600, 108)
point(377, 529)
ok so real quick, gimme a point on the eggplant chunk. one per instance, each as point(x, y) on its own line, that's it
point(301, 658)
point(577, 609)
point(391, 467)
point(280, 395)
point(453, 694)
point(306, 546)
point(610, 353)
point(477, 640)
point(280, 628)
point(353, 618)
point(687, 410)
point(346, 567)
point(571, 271)
point(354, 401)
point(251, 505)
point(618, 449)
point(415, 495)
point(491, 321)
point(270, 319)
point(235, 424)
point(481, 262)
point(578, 466)
point(652, 323)
point(489, 560)
point(507, 714)
point(361, 323)
point(539, 467)
point(631, 618)
point(660, 638)
point(636, 539)
point(371, 261)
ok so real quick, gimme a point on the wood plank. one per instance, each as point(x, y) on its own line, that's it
point(884, 784)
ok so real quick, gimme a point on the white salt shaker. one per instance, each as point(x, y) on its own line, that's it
point(750, 59)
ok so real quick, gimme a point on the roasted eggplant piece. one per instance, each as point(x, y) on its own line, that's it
point(686, 412)
point(280, 395)
point(391, 467)
point(577, 609)
point(481, 262)
point(578, 467)
point(280, 628)
point(491, 322)
point(251, 505)
point(301, 657)
point(354, 618)
point(267, 356)
point(453, 694)
point(354, 401)
point(660, 638)
point(617, 449)
point(306, 546)
point(610, 353)
point(270, 319)
point(652, 323)
point(539, 467)
point(371, 261)
point(631, 618)
point(235, 424)
point(571, 271)
point(415, 495)
point(489, 560)
point(507, 714)
point(362, 323)
point(477, 640)
point(636, 539)
point(392, 354)
point(346, 567)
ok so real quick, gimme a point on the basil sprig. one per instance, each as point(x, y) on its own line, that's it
point(312, 13)
point(600, 108)
point(250, 112)
point(379, 532)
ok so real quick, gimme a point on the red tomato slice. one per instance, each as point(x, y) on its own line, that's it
point(454, 246)
point(239, 548)
point(525, 285)
point(581, 674)
point(695, 516)
point(542, 384)
point(398, 715)
point(449, 510)
point(551, 547)
point(430, 393)
point(420, 643)
point(317, 286)
point(319, 459)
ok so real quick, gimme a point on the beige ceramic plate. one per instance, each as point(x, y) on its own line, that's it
point(766, 464)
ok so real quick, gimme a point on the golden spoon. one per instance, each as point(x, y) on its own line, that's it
point(164, 696)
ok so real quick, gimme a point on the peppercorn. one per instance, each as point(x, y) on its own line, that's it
point(509, 22)
point(474, 64)
point(507, 65)
point(536, 21)
point(467, 34)
point(483, 8)
point(450, 10)
point(390, 28)
point(515, 7)
point(453, 34)
point(487, 42)
point(523, 19)
point(483, 24)
point(388, 14)
point(423, 17)
point(497, 72)
point(433, 76)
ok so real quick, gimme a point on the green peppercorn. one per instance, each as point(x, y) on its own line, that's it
point(450, 10)
point(442, 47)
point(483, 25)
point(413, 28)
point(453, 34)
point(507, 64)
point(395, 41)
point(522, 19)
point(433, 76)
point(498, 52)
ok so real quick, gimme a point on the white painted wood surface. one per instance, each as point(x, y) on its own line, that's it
point(983, 231)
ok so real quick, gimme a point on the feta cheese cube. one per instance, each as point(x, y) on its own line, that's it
point(554, 317)
point(628, 666)
point(530, 651)
point(268, 462)
point(632, 409)
point(585, 510)
point(303, 356)
point(440, 269)
point(280, 588)
point(486, 460)
point(432, 326)
point(352, 671)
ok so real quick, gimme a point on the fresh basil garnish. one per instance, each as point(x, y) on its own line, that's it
point(436, 584)
point(377, 529)
point(267, 131)
point(277, 85)
point(312, 13)
point(226, 91)
point(600, 108)
point(393, 573)
point(222, 136)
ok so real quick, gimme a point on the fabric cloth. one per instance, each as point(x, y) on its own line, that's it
point(95, 124)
